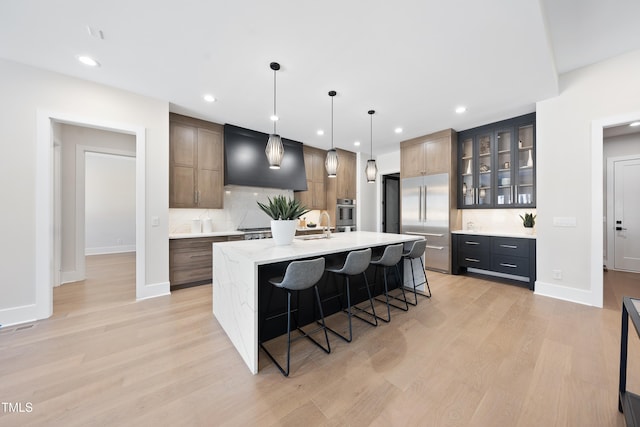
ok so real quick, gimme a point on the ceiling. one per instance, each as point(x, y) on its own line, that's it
point(413, 61)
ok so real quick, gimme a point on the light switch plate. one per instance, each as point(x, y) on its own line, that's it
point(155, 221)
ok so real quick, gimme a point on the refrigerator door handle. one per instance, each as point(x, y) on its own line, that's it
point(425, 203)
point(420, 204)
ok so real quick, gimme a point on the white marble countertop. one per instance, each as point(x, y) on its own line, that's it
point(230, 233)
point(495, 233)
point(265, 251)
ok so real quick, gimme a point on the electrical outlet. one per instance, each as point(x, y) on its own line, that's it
point(557, 274)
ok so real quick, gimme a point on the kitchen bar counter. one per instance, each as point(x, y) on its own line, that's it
point(236, 267)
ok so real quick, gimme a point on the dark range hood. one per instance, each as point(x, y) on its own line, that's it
point(246, 164)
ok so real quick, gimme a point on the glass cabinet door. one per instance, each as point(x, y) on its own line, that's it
point(466, 172)
point(484, 190)
point(504, 175)
point(526, 168)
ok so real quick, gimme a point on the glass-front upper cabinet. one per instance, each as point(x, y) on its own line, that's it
point(476, 170)
point(496, 165)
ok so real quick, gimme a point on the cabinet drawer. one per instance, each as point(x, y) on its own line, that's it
point(510, 246)
point(474, 244)
point(196, 243)
point(191, 259)
point(475, 260)
point(182, 276)
point(517, 266)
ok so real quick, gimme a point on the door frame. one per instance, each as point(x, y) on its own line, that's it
point(596, 225)
point(44, 213)
point(610, 236)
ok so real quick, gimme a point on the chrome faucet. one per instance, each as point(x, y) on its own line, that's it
point(327, 231)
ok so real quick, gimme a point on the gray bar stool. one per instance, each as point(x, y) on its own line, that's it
point(355, 263)
point(299, 275)
point(390, 258)
point(416, 251)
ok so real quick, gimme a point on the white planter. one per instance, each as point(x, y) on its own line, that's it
point(283, 231)
point(528, 230)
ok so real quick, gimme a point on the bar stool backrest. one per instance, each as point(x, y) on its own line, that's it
point(391, 255)
point(356, 262)
point(417, 249)
point(302, 274)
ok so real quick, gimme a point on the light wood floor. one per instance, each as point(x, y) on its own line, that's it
point(479, 353)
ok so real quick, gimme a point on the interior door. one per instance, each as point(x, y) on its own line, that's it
point(627, 215)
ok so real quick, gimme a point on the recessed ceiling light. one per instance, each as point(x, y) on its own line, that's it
point(634, 124)
point(398, 130)
point(320, 132)
point(461, 109)
point(88, 61)
point(274, 118)
point(357, 143)
point(209, 98)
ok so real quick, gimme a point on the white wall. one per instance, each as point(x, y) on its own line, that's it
point(569, 175)
point(26, 91)
point(110, 203)
point(367, 206)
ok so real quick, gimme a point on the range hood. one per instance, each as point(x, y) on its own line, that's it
point(245, 162)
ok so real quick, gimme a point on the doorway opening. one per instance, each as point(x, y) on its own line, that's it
point(49, 213)
point(621, 146)
point(391, 203)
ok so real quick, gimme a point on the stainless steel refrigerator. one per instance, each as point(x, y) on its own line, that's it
point(425, 212)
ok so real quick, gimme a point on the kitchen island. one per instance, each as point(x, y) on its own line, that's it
point(239, 267)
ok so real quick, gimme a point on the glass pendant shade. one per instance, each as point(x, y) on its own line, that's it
point(274, 151)
point(371, 171)
point(331, 163)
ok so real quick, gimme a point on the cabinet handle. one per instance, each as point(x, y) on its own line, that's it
point(509, 246)
point(472, 260)
point(435, 247)
point(504, 264)
point(432, 234)
point(199, 256)
point(471, 243)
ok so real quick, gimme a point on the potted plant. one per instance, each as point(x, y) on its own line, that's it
point(283, 212)
point(528, 220)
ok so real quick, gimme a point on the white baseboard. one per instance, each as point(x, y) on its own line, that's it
point(16, 315)
point(70, 276)
point(110, 250)
point(154, 290)
point(580, 296)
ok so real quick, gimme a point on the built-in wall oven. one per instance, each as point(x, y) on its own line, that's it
point(345, 215)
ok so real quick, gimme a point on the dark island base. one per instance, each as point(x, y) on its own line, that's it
point(275, 299)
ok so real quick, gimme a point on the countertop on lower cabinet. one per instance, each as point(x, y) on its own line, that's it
point(521, 235)
point(236, 271)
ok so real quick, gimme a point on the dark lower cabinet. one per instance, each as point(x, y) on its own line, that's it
point(506, 255)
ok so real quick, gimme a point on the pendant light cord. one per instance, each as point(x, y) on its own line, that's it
point(371, 137)
point(274, 101)
point(332, 122)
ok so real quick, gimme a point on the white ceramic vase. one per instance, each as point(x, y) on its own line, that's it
point(283, 231)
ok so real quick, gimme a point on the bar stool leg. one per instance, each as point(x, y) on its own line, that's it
point(373, 309)
point(426, 281)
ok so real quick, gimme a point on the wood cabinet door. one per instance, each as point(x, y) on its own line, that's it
point(318, 171)
point(182, 187)
point(437, 156)
point(210, 170)
point(346, 179)
point(318, 195)
point(412, 160)
point(183, 145)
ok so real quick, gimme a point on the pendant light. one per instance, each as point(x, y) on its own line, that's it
point(275, 149)
point(371, 170)
point(331, 163)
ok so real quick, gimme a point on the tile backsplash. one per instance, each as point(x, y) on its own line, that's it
point(240, 210)
point(497, 220)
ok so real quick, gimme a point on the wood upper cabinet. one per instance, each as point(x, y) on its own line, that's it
point(315, 196)
point(196, 167)
point(427, 155)
point(346, 175)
